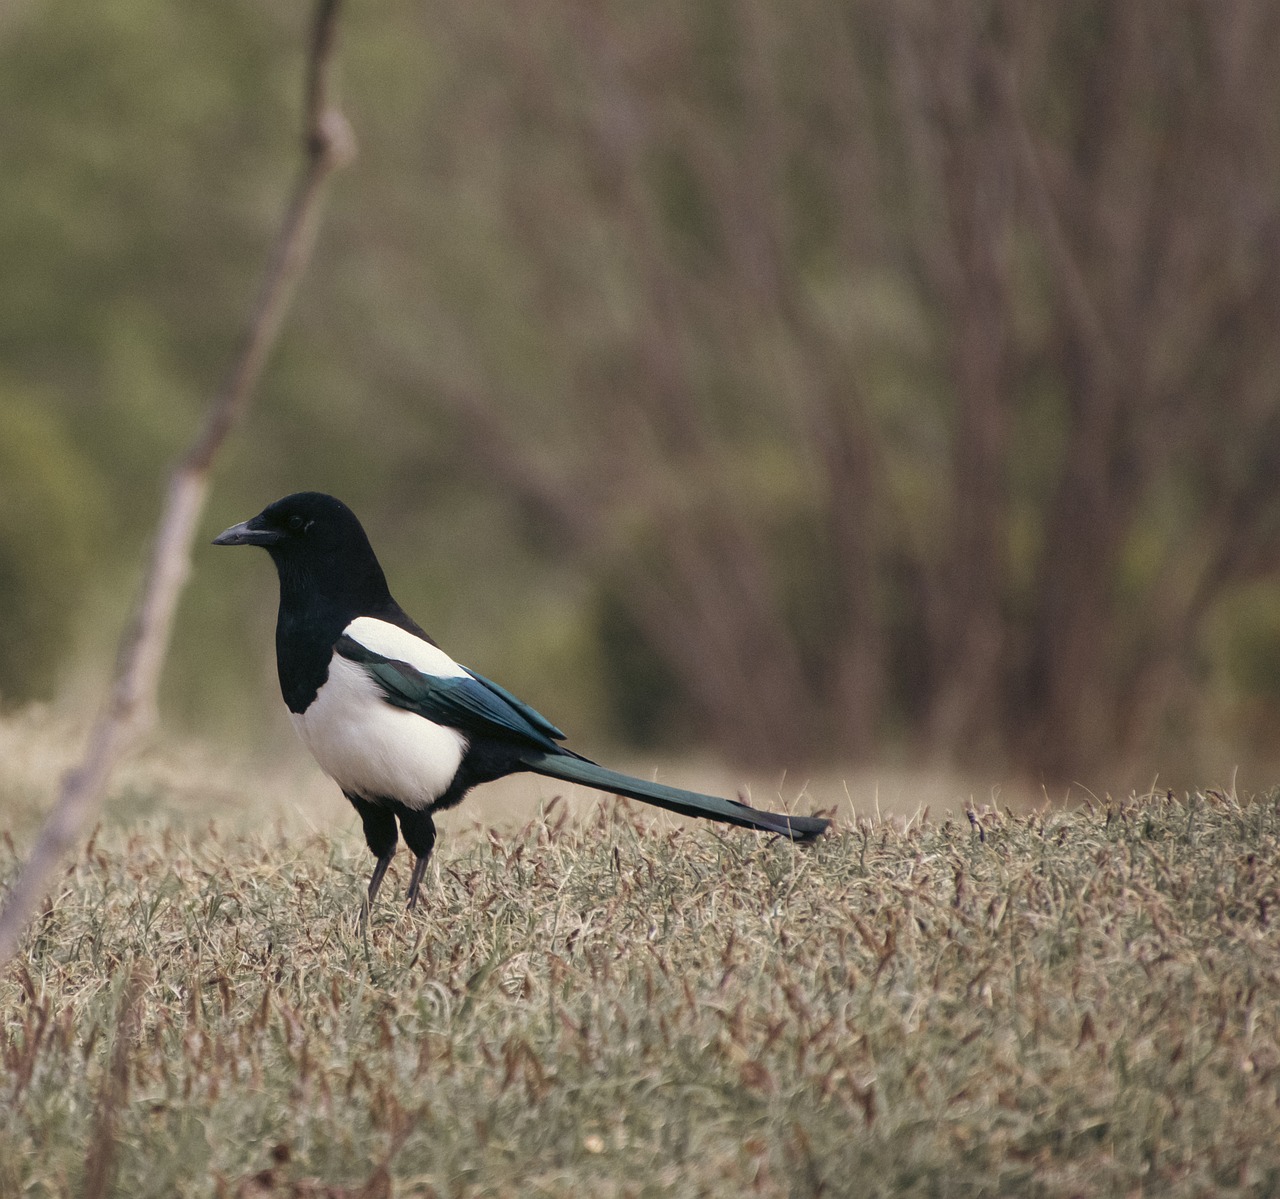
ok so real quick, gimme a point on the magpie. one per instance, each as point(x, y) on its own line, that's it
point(401, 727)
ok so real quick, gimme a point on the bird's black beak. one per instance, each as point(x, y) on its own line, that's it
point(247, 533)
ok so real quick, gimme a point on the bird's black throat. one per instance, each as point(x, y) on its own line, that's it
point(318, 600)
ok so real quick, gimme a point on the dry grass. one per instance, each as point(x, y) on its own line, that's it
point(1055, 1004)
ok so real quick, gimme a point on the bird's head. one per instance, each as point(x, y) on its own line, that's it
point(313, 537)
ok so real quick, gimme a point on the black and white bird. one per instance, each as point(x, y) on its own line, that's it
point(401, 727)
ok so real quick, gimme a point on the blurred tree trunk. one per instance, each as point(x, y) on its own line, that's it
point(946, 94)
point(1138, 217)
point(922, 331)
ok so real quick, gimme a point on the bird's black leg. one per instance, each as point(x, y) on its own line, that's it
point(379, 835)
point(420, 836)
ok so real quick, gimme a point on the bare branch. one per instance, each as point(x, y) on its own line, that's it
point(129, 709)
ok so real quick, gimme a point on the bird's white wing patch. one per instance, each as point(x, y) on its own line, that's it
point(391, 641)
point(372, 748)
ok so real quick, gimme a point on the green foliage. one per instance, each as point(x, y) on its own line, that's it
point(50, 522)
point(644, 706)
point(1053, 1004)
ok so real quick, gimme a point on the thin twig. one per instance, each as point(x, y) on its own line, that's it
point(130, 705)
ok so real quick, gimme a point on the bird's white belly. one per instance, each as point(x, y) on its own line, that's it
point(372, 749)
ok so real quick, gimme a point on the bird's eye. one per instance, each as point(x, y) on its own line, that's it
point(296, 524)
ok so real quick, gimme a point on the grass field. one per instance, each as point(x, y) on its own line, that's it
point(1056, 1003)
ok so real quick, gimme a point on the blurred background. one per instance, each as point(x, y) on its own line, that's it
point(803, 385)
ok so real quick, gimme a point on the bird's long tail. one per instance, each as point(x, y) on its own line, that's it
point(687, 803)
